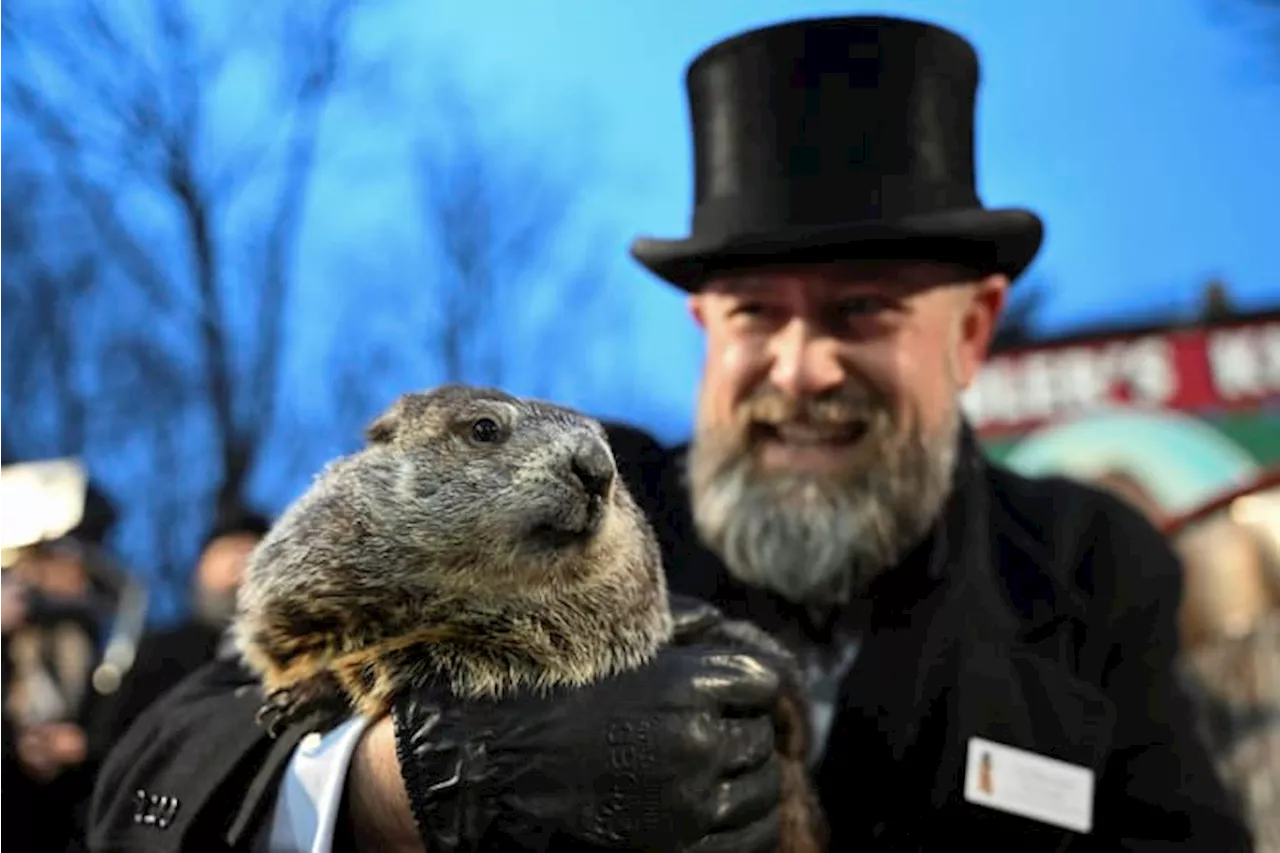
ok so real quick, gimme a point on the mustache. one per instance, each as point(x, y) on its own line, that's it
point(845, 406)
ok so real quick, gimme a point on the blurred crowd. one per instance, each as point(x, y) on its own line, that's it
point(66, 701)
point(1231, 647)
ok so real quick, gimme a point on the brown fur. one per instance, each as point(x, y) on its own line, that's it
point(425, 557)
point(803, 825)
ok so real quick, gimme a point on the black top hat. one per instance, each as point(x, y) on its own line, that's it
point(838, 139)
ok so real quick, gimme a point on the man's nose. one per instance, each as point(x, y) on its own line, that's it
point(805, 364)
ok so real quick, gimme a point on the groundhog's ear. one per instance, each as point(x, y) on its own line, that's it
point(407, 409)
point(404, 411)
point(383, 428)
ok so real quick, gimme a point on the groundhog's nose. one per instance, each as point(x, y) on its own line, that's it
point(593, 466)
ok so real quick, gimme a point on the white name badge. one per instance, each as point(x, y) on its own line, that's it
point(1033, 786)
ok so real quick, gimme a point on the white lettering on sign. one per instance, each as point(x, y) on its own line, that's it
point(1049, 383)
point(1245, 362)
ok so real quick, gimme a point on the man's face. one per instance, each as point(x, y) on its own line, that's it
point(828, 415)
point(218, 576)
point(55, 570)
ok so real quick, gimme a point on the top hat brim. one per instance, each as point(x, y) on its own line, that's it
point(985, 240)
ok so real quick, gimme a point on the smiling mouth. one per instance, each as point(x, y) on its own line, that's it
point(807, 435)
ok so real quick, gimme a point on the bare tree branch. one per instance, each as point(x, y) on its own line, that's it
point(149, 115)
point(96, 201)
point(140, 373)
point(42, 303)
point(163, 333)
point(360, 376)
point(496, 222)
point(312, 95)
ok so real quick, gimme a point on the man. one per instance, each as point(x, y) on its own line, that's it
point(220, 570)
point(848, 280)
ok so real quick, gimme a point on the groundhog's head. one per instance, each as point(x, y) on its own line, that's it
point(475, 478)
point(478, 537)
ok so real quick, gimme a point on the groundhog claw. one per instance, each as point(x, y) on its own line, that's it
point(279, 709)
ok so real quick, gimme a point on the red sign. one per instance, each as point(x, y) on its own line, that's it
point(1224, 368)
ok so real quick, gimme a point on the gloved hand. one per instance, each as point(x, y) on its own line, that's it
point(679, 755)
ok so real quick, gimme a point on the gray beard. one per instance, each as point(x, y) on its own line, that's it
point(819, 540)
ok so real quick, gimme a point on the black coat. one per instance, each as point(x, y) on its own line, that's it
point(163, 659)
point(52, 817)
point(1040, 614)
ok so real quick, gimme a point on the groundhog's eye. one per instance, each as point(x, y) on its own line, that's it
point(486, 430)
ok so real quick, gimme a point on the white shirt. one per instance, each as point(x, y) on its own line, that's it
point(306, 809)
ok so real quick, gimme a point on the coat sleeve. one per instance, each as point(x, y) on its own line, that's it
point(187, 773)
point(1159, 785)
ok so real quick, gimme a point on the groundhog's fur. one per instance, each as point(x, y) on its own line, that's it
point(803, 824)
point(438, 551)
point(480, 540)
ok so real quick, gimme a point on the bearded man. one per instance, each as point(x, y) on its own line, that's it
point(988, 657)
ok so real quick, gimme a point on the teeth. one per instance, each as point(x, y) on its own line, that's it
point(811, 434)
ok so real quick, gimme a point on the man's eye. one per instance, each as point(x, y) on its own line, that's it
point(747, 309)
point(860, 306)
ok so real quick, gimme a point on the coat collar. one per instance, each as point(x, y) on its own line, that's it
point(983, 624)
point(1002, 647)
point(1005, 572)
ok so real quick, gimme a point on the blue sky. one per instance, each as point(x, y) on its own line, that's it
point(1145, 133)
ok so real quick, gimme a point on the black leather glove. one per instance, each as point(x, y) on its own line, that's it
point(677, 756)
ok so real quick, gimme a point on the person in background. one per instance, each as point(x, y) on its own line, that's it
point(1130, 487)
point(51, 626)
point(1231, 656)
point(166, 656)
point(222, 565)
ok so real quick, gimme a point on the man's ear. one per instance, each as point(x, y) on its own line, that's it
point(981, 306)
point(698, 309)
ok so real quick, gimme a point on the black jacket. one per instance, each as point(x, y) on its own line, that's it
point(163, 659)
point(1040, 614)
point(51, 817)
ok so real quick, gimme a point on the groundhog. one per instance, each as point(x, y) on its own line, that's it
point(480, 541)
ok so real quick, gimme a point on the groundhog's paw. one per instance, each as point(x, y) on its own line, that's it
point(280, 708)
point(285, 706)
